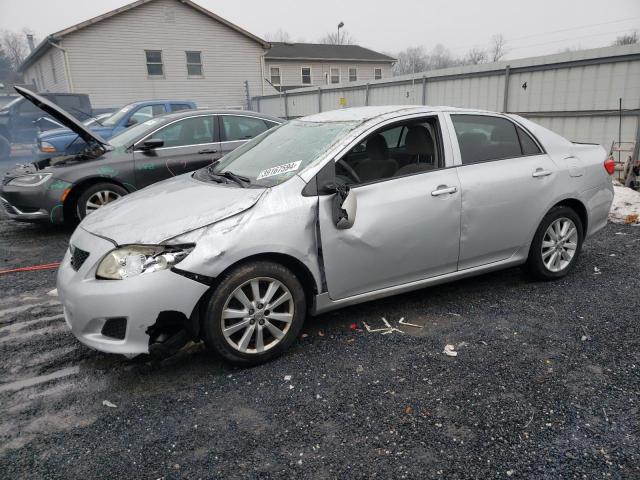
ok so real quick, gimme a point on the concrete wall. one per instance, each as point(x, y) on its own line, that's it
point(575, 94)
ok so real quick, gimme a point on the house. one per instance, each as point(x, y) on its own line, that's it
point(296, 65)
point(152, 49)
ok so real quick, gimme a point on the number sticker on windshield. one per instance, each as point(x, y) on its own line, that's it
point(279, 170)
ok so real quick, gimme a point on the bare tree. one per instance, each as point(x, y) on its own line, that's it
point(333, 39)
point(498, 47)
point(279, 36)
point(440, 57)
point(411, 60)
point(475, 56)
point(15, 46)
point(627, 39)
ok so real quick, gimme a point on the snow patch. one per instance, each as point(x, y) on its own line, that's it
point(626, 205)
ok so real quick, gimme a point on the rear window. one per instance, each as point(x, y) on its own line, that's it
point(484, 138)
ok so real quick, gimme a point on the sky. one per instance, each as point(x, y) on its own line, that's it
point(531, 27)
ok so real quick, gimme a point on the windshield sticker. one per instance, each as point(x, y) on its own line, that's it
point(279, 170)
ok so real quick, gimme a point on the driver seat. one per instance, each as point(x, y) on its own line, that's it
point(377, 165)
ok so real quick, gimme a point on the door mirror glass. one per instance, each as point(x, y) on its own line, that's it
point(344, 207)
point(152, 144)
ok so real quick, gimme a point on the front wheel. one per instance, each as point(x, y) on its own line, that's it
point(255, 314)
point(97, 196)
point(556, 245)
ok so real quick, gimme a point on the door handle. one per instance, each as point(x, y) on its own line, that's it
point(207, 150)
point(541, 173)
point(443, 190)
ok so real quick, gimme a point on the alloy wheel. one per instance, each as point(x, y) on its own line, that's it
point(100, 199)
point(559, 244)
point(257, 315)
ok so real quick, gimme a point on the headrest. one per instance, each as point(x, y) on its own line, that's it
point(419, 141)
point(377, 148)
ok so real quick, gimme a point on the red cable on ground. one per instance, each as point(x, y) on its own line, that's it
point(32, 268)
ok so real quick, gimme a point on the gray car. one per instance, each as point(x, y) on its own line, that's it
point(328, 211)
point(68, 188)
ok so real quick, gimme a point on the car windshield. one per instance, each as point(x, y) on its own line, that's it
point(280, 153)
point(114, 119)
point(127, 137)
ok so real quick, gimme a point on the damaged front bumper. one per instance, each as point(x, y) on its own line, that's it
point(116, 316)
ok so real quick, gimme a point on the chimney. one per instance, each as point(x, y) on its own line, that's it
point(30, 41)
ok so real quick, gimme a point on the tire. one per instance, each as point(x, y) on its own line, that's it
point(5, 148)
point(540, 263)
point(254, 318)
point(98, 194)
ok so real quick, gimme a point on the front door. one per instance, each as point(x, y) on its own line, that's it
point(407, 224)
point(507, 181)
point(189, 144)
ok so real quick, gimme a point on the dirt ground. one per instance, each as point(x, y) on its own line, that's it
point(545, 384)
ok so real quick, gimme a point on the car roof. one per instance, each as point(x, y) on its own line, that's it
point(362, 114)
point(219, 111)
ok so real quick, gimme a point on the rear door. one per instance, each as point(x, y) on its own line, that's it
point(189, 143)
point(236, 130)
point(506, 180)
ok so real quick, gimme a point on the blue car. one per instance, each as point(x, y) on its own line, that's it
point(62, 141)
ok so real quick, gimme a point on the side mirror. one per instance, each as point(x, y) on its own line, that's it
point(131, 122)
point(152, 144)
point(345, 205)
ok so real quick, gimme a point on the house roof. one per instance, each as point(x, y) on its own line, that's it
point(44, 45)
point(319, 51)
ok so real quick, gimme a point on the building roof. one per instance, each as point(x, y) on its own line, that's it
point(44, 46)
point(320, 51)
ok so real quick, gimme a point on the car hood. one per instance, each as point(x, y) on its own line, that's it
point(61, 116)
point(63, 132)
point(168, 209)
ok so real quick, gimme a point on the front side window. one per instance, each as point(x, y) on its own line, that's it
point(377, 74)
point(306, 75)
point(241, 128)
point(402, 149)
point(335, 75)
point(194, 64)
point(146, 113)
point(282, 152)
point(483, 138)
point(155, 67)
point(190, 131)
point(353, 74)
point(275, 75)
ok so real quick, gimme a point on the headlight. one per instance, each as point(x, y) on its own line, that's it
point(32, 180)
point(135, 260)
point(46, 147)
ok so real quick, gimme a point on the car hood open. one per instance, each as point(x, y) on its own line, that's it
point(168, 209)
point(61, 116)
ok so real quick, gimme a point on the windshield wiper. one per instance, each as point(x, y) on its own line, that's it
point(239, 179)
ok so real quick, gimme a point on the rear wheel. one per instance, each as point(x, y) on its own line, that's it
point(5, 148)
point(556, 244)
point(255, 314)
point(97, 196)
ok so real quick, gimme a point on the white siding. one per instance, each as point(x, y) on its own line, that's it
point(46, 82)
point(291, 71)
point(107, 60)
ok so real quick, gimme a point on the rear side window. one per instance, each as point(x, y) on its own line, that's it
point(176, 107)
point(241, 128)
point(483, 138)
point(71, 104)
point(529, 147)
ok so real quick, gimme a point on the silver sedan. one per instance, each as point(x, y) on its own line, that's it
point(327, 211)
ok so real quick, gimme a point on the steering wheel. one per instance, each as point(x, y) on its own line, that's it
point(349, 170)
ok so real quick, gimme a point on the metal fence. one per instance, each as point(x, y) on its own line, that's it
point(577, 94)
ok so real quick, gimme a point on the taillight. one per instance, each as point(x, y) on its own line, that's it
point(610, 166)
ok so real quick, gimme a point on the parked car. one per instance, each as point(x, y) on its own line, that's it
point(18, 118)
point(72, 186)
point(328, 211)
point(65, 141)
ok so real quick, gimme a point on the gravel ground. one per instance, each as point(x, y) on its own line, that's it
point(546, 384)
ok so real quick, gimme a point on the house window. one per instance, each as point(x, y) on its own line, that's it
point(154, 63)
point(335, 75)
point(53, 70)
point(275, 75)
point(353, 74)
point(377, 74)
point(194, 64)
point(306, 75)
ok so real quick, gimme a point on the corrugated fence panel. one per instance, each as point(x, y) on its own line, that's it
point(302, 105)
point(591, 129)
